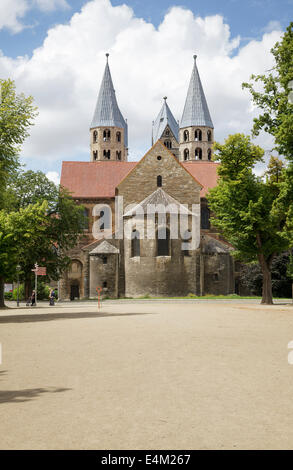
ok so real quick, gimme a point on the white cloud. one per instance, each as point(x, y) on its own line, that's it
point(272, 26)
point(12, 12)
point(50, 5)
point(64, 76)
point(53, 176)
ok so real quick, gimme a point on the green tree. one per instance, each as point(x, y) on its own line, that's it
point(18, 230)
point(64, 222)
point(30, 187)
point(290, 272)
point(251, 277)
point(275, 170)
point(272, 97)
point(16, 116)
point(255, 216)
point(39, 233)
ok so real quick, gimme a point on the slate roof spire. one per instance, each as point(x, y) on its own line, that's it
point(165, 117)
point(196, 111)
point(107, 112)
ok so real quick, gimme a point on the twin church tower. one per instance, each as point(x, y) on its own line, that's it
point(192, 140)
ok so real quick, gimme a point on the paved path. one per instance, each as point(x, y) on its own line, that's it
point(155, 375)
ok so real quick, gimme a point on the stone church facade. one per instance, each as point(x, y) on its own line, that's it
point(124, 251)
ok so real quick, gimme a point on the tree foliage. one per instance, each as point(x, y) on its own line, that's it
point(254, 215)
point(272, 96)
point(17, 113)
point(34, 234)
point(251, 277)
point(40, 223)
point(30, 187)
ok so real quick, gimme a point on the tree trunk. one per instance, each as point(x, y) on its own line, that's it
point(2, 302)
point(266, 268)
point(267, 295)
point(27, 288)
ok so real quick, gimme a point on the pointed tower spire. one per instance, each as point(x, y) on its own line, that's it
point(164, 118)
point(196, 126)
point(107, 112)
point(166, 129)
point(196, 111)
point(108, 125)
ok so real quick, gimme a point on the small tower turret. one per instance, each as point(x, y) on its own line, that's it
point(196, 135)
point(108, 131)
point(166, 129)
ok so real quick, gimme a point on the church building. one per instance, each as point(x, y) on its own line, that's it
point(176, 172)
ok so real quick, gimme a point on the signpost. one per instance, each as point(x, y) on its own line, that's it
point(18, 268)
point(39, 271)
point(99, 290)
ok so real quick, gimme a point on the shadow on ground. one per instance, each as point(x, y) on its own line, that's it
point(61, 316)
point(19, 396)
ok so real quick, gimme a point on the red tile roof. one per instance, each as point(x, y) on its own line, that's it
point(93, 179)
point(99, 179)
point(205, 173)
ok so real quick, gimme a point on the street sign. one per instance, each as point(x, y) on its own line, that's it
point(40, 271)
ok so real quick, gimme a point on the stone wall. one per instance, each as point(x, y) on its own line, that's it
point(101, 273)
point(191, 144)
point(153, 275)
point(111, 144)
point(142, 180)
point(218, 273)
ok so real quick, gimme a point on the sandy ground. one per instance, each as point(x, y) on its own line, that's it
point(208, 375)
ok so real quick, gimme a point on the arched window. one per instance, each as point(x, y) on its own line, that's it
point(209, 154)
point(159, 181)
point(105, 260)
point(186, 154)
point(168, 144)
point(198, 153)
point(204, 216)
point(167, 132)
point(118, 136)
point(86, 213)
point(209, 135)
point(95, 155)
point(135, 243)
point(198, 135)
point(105, 218)
point(118, 155)
point(106, 135)
point(101, 223)
point(107, 154)
point(185, 136)
point(163, 242)
point(95, 136)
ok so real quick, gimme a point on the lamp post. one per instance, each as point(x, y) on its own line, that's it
point(18, 268)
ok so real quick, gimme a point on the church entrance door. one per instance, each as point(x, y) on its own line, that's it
point(74, 292)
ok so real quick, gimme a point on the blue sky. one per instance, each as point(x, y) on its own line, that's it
point(248, 18)
point(150, 56)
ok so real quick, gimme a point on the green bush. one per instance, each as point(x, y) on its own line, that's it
point(42, 294)
point(21, 293)
point(43, 291)
point(8, 295)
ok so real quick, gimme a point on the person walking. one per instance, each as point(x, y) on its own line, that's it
point(52, 297)
point(33, 298)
